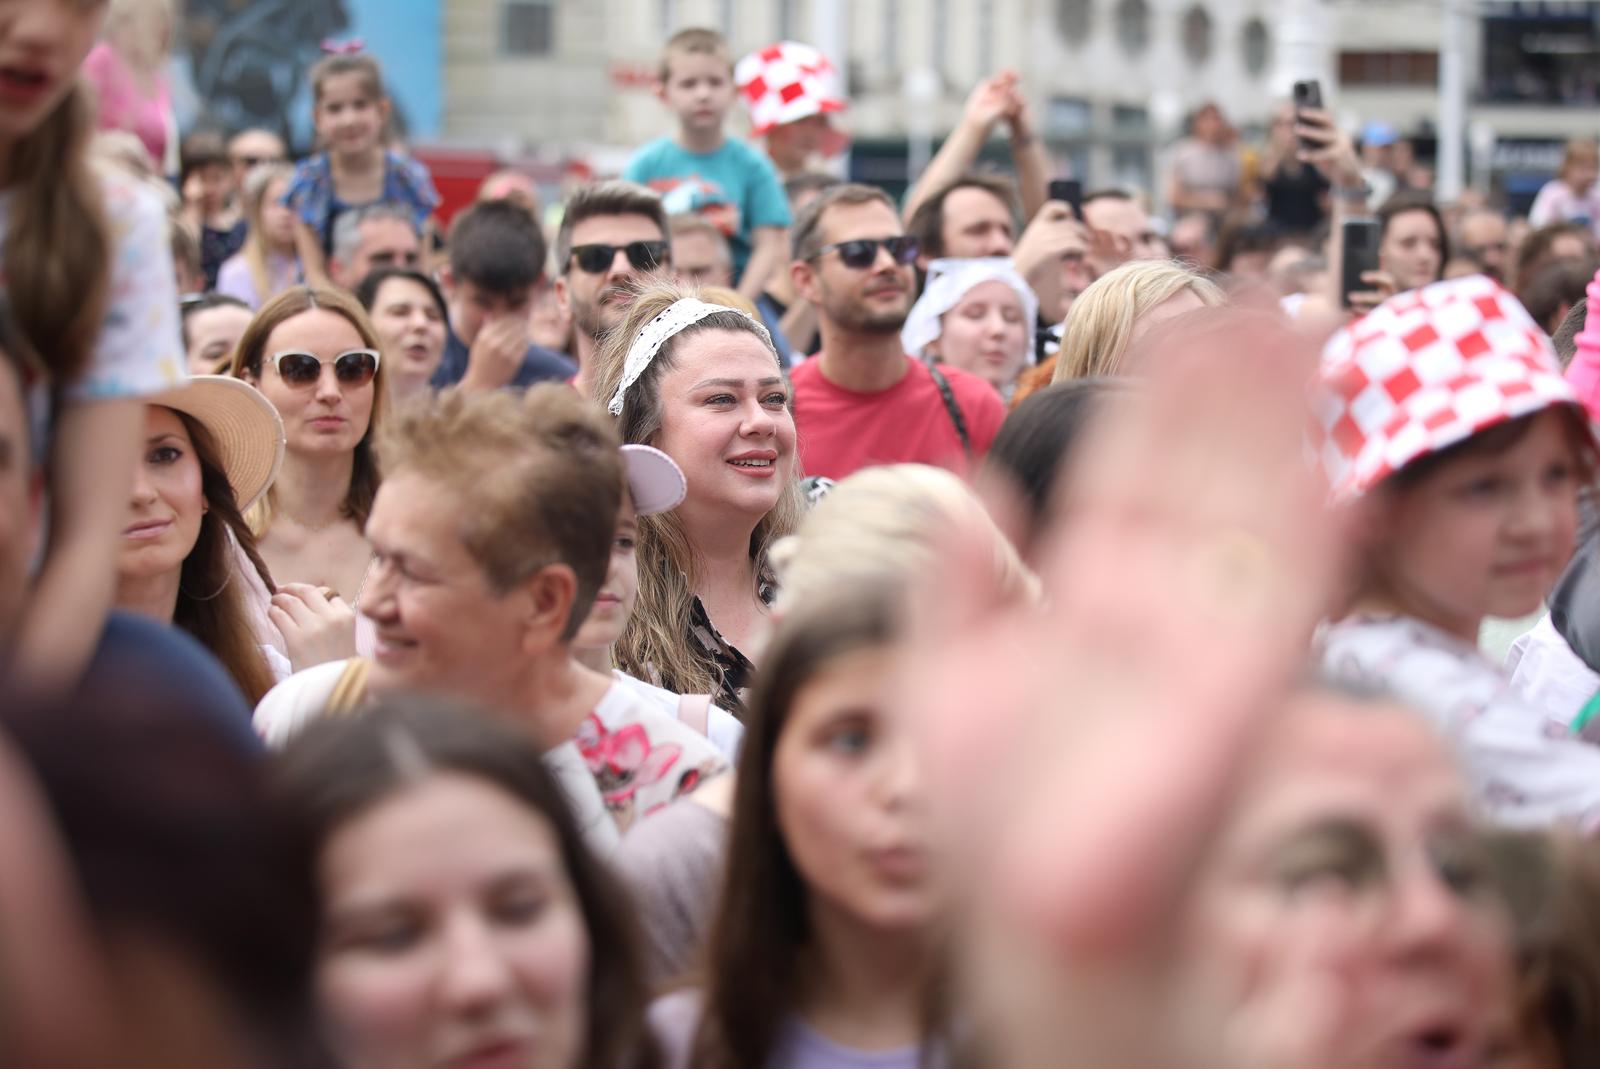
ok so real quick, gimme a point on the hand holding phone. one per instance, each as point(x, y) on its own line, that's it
point(1068, 191)
point(1307, 95)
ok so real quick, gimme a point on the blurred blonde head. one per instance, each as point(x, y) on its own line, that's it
point(1103, 321)
point(887, 525)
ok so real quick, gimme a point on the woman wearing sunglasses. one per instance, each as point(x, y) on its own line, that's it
point(315, 355)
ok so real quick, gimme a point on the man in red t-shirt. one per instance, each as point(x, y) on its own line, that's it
point(861, 400)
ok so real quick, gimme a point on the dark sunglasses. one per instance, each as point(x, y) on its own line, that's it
point(863, 252)
point(353, 368)
point(643, 255)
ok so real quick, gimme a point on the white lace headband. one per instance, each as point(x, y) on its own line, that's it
point(676, 316)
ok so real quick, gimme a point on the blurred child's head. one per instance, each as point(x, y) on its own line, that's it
point(697, 79)
point(1445, 413)
point(205, 174)
point(349, 107)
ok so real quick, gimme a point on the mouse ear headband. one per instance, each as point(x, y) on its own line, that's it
point(674, 318)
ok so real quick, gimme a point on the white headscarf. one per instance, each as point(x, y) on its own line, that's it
point(949, 280)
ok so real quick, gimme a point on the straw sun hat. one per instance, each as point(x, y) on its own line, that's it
point(244, 427)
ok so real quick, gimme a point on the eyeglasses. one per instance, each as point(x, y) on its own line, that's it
point(643, 255)
point(248, 162)
point(300, 369)
point(863, 252)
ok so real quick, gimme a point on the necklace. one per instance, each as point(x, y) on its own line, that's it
point(312, 526)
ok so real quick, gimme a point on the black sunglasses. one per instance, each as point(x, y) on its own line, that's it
point(357, 367)
point(643, 255)
point(863, 252)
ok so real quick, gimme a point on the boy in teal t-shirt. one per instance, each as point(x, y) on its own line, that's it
point(701, 170)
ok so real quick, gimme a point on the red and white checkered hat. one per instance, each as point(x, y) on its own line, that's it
point(787, 82)
point(1425, 370)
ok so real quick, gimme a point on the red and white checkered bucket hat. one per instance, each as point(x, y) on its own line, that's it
point(1425, 370)
point(787, 82)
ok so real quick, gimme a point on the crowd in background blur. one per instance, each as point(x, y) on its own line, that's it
point(735, 617)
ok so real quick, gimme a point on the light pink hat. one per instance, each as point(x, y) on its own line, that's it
point(654, 480)
point(1424, 371)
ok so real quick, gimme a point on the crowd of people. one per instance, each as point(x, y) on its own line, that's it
point(738, 618)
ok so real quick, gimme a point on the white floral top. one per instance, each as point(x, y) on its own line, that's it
point(1525, 765)
point(140, 348)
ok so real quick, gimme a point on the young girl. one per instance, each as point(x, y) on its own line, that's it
point(354, 169)
point(655, 485)
point(977, 315)
point(1445, 415)
point(88, 273)
point(210, 202)
point(267, 264)
point(702, 383)
point(823, 952)
point(1572, 195)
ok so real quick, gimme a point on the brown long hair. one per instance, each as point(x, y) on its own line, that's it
point(753, 954)
point(251, 350)
point(656, 642)
point(341, 767)
point(58, 245)
point(211, 597)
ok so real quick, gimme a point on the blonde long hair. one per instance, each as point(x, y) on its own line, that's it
point(256, 184)
point(885, 525)
point(656, 642)
point(1100, 323)
point(58, 244)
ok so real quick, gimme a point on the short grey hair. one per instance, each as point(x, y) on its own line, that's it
point(347, 226)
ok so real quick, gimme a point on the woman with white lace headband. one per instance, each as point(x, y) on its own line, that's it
point(977, 315)
point(697, 377)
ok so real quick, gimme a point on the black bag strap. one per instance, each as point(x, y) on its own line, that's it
point(950, 406)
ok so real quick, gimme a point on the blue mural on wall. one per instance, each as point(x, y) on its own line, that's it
point(242, 63)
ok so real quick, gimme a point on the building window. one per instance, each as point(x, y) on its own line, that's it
point(941, 37)
point(669, 17)
point(1130, 121)
point(1133, 26)
point(1069, 117)
point(1197, 35)
point(727, 19)
point(786, 20)
point(1257, 47)
point(1389, 68)
point(529, 27)
point(1072, 20)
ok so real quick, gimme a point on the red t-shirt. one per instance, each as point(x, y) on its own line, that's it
point(842, 431)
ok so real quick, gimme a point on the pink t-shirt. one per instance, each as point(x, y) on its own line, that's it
point(842, 431)
point(126, 105)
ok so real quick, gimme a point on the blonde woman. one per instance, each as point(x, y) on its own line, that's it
point(887, 524)
point(315, 355)
point(1123, 306)
point(266, 265)
point(128, 72)
point(702, 382)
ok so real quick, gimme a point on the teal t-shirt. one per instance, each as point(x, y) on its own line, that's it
point(735, 187)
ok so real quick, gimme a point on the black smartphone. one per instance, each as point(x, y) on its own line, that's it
point(1307, 95)
point(1068, 191)
point(1360, 239)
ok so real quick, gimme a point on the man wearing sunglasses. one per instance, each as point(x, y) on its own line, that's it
point(612, 235)
point(378, 235)
point(862, 401)
point(496, 269)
